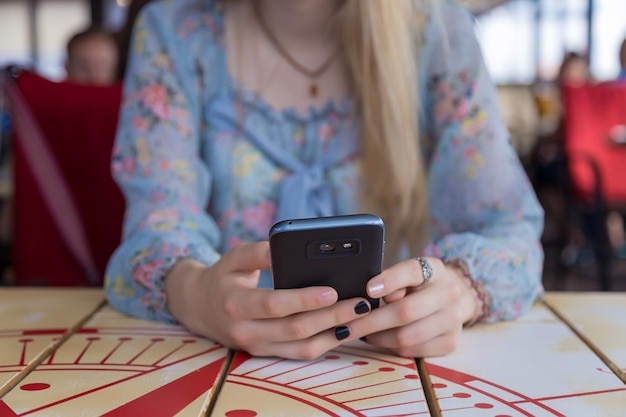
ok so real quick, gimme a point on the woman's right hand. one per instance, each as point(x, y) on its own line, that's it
point(222, 302)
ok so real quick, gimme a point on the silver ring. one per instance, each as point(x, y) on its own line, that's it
point(427, 270)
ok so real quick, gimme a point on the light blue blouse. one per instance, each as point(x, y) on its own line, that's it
point(204, 165)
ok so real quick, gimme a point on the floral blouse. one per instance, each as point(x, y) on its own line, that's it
point(204, 165)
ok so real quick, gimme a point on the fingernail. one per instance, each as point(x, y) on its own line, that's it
point(375, 289)
point(328, 295)
point(342, 332)
point(362, 308)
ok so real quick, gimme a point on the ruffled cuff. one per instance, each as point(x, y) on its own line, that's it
point(483, 297)
point(135, 280)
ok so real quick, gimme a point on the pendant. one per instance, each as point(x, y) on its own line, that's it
point(313, 90)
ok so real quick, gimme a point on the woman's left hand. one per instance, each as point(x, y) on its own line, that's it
point(418, 318)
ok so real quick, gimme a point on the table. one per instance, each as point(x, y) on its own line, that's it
point(65, 352)
point(543, 364)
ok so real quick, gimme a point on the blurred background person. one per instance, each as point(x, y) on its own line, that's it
point(92, 57)
point(574, 69)
point(547, 167)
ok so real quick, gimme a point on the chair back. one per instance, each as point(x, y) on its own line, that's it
point(78, 123)
point(595, 140)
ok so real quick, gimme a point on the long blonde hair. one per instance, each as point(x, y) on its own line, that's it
point(381, 44)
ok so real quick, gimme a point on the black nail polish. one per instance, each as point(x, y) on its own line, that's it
point(362, 308)
point(342, 332)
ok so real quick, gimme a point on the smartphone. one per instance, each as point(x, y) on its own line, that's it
point(343, 252)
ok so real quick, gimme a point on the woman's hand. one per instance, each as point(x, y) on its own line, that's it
point(223, 303)
point(418, 318)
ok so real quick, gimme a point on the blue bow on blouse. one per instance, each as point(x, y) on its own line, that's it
point(305, 191)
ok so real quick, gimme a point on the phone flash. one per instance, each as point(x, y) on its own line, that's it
point(347, 245)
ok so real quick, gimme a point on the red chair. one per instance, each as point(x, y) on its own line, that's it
point(78, 123)
point(595, 147)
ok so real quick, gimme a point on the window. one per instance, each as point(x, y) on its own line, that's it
point(14, 34)
point(507, 41)
point(562, 29)
point(525, 39)
point(56, 21)
point(609, 30)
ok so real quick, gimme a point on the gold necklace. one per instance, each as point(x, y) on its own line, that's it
point(313, 74)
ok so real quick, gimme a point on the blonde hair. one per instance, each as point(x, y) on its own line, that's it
point(381, 43)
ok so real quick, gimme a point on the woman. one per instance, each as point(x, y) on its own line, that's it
point(241, 113)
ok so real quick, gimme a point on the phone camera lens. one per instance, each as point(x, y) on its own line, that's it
point(327, 247)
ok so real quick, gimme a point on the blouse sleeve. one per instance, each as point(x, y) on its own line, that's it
point(156, 162)
point(485, 212)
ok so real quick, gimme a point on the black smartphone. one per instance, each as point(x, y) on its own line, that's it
point(343, 252)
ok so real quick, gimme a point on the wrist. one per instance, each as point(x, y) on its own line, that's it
point(181, 286)
point(475, 299)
